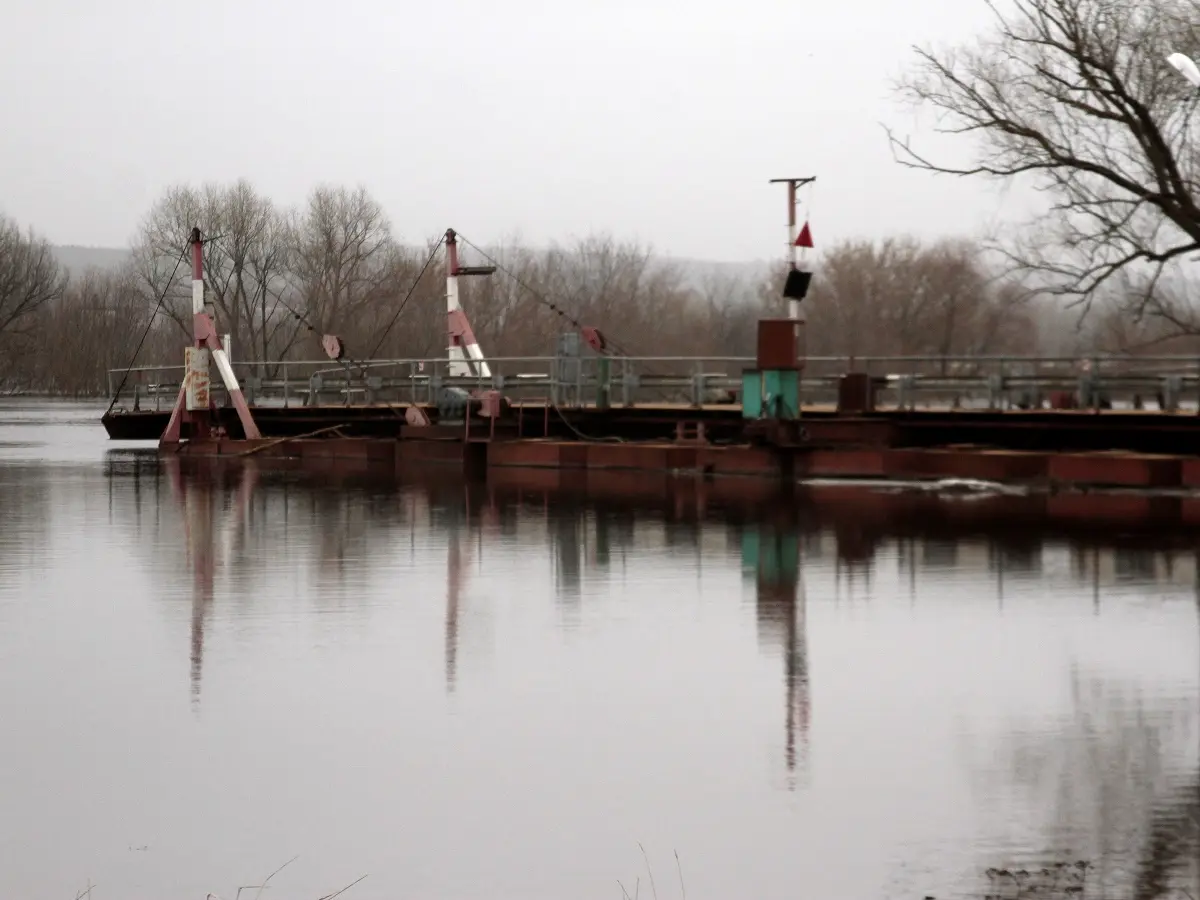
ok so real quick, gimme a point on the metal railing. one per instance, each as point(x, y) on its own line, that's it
point(901, 382)
point(565, 381)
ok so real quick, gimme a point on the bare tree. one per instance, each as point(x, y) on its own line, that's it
point(505, 315)
point(342, 257)
point(159, 253)
point(244, 259)
point(903, 297)
point(269, 258)
point(638, 301)
point(622, 288)
point(972, 311)
point(407, 319)
point(869, 299)
point(1076, 97)
point(276, 276)
point(30, 276)
point(1112, 329)
point(93, 328)
point(729, 308)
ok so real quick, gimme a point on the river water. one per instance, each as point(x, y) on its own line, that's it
point(537, 689)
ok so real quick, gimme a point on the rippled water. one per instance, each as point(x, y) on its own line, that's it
point(499, 691)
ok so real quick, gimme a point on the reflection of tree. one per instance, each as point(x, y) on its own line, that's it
point(568, 530)
point(25, 502)
point(1118, 797)
point(588, 535)
point(940, 554)
point(337, 534)
point(1173, 846)
point(454, 575)
point(1135, 564)
point(1024, 559)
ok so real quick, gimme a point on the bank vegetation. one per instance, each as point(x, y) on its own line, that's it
point(279, 278)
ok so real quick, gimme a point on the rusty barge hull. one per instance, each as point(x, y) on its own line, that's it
point(1046, 431)
point(755, 466)
point(859, 514)
point(1142, 450)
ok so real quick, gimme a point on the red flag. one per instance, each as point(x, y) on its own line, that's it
point(805, 238)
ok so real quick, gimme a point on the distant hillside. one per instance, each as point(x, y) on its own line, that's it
point(695, 271)
point(79, 259)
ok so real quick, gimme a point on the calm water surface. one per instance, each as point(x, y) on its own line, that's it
point(473, 692)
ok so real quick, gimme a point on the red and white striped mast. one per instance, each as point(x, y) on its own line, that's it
point(194, 403)
point(799, 274)
point(466, 357)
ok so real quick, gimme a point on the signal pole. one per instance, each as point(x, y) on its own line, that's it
point(795, 288)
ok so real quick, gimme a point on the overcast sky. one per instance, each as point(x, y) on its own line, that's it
point(659, 120)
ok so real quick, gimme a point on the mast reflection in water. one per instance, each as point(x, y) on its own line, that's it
point(469, 690)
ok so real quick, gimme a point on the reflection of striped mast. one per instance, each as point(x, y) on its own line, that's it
point(455, 580)
point(798, 701)
point(453, 589)
point(194, 495)
point(200, 518)
point(457, 575)
point(196, 502)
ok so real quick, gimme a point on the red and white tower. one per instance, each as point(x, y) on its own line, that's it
point(194, 403)
point(799, 275)
point(466, 357)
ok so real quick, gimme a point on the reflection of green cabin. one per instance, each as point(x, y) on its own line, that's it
point(772, 555)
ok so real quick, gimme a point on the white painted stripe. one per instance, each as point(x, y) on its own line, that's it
point(476, 353)
point(452, 294)
point(458, 367)
point(226, 370)
point(197, 297)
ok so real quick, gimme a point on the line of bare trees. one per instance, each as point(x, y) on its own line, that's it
point(279, 278)
point(1073, 97)
point(1076, 99)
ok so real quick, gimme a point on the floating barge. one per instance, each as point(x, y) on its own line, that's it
point(779, 416)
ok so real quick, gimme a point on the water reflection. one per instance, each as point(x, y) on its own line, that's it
point(21, 548)
point(1017, 541)
point(771, 555)
point(207, 539)
point(453, 685)
point(1108, 541)
point(1111, 782)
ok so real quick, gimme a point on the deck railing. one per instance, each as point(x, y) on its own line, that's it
point(907, 382)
